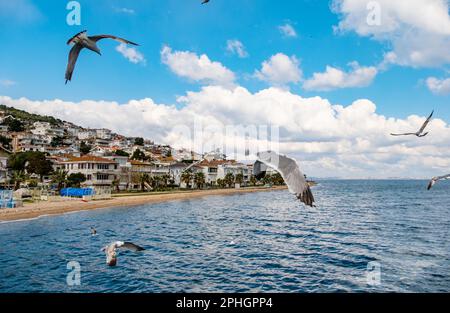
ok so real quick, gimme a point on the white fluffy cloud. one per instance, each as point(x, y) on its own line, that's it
point(438, 86)
point(328, 140)
point(334, 78)
point(237, 47)
point(197, 68)
point(287, 30)
point(417, 30)
point(280, 70)
point(131, 54)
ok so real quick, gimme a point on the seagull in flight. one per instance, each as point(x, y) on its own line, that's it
point(420, 132)
point(434, 180)
point(205, 1)
point(289, 170)
point(82, 40)
point(111, 250)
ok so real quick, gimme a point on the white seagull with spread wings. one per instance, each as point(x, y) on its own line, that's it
point(289, 170)
point(80, 41)
point(420, 132)
point(111, 250)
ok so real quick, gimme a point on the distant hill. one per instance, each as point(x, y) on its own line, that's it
point(29, 118)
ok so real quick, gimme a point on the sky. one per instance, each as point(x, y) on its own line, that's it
point(336, 77)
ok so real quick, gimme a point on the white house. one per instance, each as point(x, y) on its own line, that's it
point(98, 171)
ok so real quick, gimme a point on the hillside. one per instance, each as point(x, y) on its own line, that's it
point(29, 118)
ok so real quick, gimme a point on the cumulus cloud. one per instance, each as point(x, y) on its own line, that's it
point(438, 86)
point(334, 78)
point(280, 70)
point(328, 140)
point(288, 30)
point(237, 47)
point(417, 30)
point(197, 68)
point(131, 54)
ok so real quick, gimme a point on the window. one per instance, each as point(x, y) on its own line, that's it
point(212, 170)
point(103, 166)
point(102, 176)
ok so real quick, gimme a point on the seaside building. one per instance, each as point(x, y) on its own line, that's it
point(98, 171)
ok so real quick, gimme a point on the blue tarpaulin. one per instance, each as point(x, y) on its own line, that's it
point(76, 192)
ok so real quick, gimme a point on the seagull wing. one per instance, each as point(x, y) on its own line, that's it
point(291, 174)
point(434, 180)
point(100, 37)
point(130, 246)
point(259, 170)
point(73, 56)
point(405, 134)
point(426, 122)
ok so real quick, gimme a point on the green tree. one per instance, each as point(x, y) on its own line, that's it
point(57, 141)
point(85, 148)
point(5, 142)
point(121, 153)
point(267, 179)
point(14, 125)
point(59, 177)
point(221, 183)
point(76, 179)
point(186, 177)
point(38, 164)
point(239, 179)
point(199, 180)
point(277, 179)
point(138, 155)
point(18, 177)
point(139, 141)
point(229, 179)
point(143, 179)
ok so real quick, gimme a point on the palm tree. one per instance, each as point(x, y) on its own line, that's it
point(221, 183)
point(277, 179)
point(229, 179)
point(267, 179)
point(186, 177)
point(59, 177)
point(199, 180)
point(18, 178)
point(239, 179)
point(143, 179)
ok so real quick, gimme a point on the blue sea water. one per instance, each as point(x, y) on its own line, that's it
point(260, 242)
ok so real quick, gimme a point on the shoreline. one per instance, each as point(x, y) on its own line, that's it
point(43, 208)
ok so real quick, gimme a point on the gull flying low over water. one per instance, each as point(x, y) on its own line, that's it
point(289, 170)
point(80, 41)
point(434, 180)
point(420, 132)
point(111, 250)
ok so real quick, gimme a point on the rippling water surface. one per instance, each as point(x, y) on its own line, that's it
point(261, 242)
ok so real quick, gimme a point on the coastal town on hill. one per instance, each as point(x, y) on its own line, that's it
point(47, 153)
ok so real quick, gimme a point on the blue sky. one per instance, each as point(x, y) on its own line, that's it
point(36, 53)
point(337, 77)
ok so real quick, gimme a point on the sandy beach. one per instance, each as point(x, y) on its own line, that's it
point(33, 210)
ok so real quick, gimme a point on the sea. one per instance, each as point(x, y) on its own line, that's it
point(363, 236)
